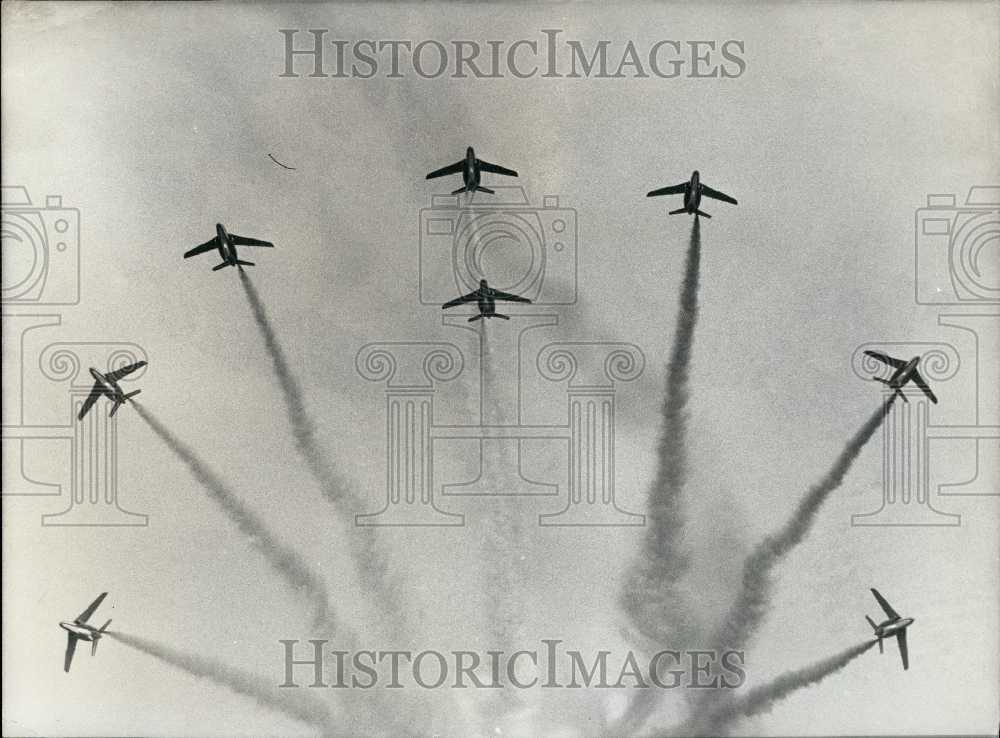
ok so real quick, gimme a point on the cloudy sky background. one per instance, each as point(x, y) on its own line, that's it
point(156, 121)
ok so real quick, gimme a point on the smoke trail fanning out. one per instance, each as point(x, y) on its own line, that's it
point(754, 597)
point(366, 552)
point(649, 595)
point(761, 699)
point(282, 559)
point(294, 703)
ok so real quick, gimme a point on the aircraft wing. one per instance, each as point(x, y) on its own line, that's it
point(892, 614)
point(706, 190)
point(672, 190)
point(498, 295)
point(212, 243)
point(125, 371)
point(904, 654)
point(94, 396)
point(70, 650)
point(919, 381)
point(471, 297)
point(496, 168)
point(244, 241)
point(450, 169)
point(895, 363)
point(82, 618)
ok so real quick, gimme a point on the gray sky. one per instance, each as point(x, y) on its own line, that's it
point(156, 121)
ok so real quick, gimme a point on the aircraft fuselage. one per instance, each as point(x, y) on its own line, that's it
point(111, 388)
point(487, 305)
point(470, 173)
point(83, 632)
point(692, 194)
point(226, 250)
point(889, 628)
point(903, 374)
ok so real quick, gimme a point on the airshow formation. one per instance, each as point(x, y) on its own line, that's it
point(651, 598)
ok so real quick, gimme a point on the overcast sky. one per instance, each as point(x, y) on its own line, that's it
point(155, 121)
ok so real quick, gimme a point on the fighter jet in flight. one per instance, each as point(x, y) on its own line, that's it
point(905, 371)
point(78, 630)
point(226, 244)
point(692, 190)
point(486, 296)
point(894, 626)
point(107, 384)
point(471, 169)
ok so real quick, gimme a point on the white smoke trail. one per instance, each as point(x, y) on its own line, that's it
point(650, 595)
point(282, 559)
point(504, 542)
point(293, 703)
point(754, 598)
point(761, 699)
point(366, 551)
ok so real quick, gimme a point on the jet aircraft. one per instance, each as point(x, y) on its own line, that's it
point(894, 626)
point(226, 244)
point(107, 385)
point(486, 297)
point(79, 630)
point(905, 371)
point(471, 169)
point(692, 190)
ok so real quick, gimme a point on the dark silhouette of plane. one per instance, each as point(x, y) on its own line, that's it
point(78, 630)
point(486, 296)
point(905, 371)
point(107, 385)
point(226, 244)
point(894, 626)
point(693, 189)
point(471, 169)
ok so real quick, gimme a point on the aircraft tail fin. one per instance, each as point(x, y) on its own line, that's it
point(486, 190)
point(93, 646)
point(881, 648)
point(130, 395)
point(879, 379)
point(703, 214)
point(902, 394)
point(459, 191)
point(871, 623)
point(501, 315)
point(114, 409)
point(474, 318)
point(105, 626)
point(244, 263)
point(678, 211)
point(223, 265)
